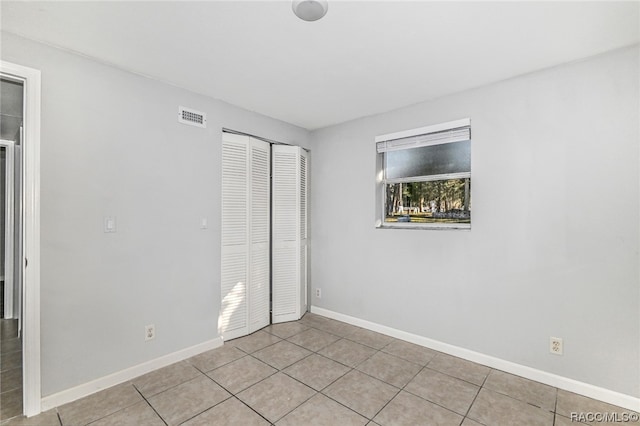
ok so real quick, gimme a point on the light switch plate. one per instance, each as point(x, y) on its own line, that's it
point(110, 224)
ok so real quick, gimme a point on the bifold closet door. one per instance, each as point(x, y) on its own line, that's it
point(289, 226)
point(245, 236)
point(259, 235)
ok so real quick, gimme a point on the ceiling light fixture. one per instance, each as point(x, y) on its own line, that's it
point(310, 10)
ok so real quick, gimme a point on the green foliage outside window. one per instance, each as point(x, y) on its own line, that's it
point(439, 201)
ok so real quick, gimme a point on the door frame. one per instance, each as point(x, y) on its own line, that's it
point(31, 78)
point(9, 186)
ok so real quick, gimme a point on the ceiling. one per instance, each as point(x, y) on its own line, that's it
point(362, 58)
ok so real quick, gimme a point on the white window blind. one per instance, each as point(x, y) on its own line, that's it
point(447, 136)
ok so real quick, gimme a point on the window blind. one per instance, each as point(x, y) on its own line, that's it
point(453, 135)
point(441, 159)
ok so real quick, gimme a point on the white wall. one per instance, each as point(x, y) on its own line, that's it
point(111, 145)
point(553, 249)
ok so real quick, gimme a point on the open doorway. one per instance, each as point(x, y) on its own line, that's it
point(11, 195)
point(20, 389)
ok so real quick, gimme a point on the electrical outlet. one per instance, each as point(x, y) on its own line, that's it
point(319, 293)
point(555, 345)
point(149, 332)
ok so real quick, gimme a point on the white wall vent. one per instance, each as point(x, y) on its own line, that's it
point(192, 117)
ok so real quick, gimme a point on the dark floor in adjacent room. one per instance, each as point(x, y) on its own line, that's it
point(10, 369)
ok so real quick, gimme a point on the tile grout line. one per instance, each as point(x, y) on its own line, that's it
point(172, 386)
point(234, 395)
point(244, 354)
point(388, 402)
point(259, 349)
point(299, 405)
point(111, 413)
point(399, 389)
point(251, 408)
point(466, 416)
point(335, 380)
point(340, 337)
point(320, 392)
point(262, 380)
point(555, 409)
point(259, 381)
point(518, 400)
point(305, 356)
point(149, 404)
point(345, 406)
point(459, 378)
point(403, 388)
point(209, 408)
point(433, 402)
point(278, 370)
point(203, 411)
point(309, 349)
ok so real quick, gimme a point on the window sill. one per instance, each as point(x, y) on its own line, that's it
point(430, 226)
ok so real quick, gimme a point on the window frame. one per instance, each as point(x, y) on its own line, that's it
point(382, 182)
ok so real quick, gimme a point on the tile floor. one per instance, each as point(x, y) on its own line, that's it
point(10, 369)
point(318, 371)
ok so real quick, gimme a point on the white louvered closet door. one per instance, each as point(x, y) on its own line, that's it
point(304, 225)
point(259, 235)
point(245, 236)
point(289, 227)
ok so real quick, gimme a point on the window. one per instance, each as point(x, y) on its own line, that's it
point(425, 177)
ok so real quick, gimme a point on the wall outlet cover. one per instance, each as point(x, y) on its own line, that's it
point(149, 332)
point(555, 345)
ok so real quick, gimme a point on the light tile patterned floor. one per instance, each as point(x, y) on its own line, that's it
point(10, 369)
point(318, 371)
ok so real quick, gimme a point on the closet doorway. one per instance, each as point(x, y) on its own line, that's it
point(263, 232)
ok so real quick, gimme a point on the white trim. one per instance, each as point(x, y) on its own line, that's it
point(422, 141)
point(19, 229)
point(616, 398)
point(9, 224)
point(426, 225)
point(424, 130)
point(89, 388)
point(429, 178)
point(31, 275)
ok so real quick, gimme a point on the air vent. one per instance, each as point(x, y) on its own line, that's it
point(192, 117)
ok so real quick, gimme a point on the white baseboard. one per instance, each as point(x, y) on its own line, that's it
point(86, 389)
point(622, 400)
